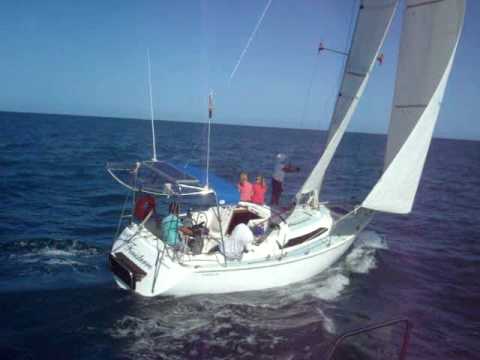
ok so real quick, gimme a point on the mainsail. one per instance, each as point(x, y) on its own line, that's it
point(431, 32)
point(373, 20)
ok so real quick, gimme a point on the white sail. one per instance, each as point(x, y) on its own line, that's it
point(431, 32)
point(373, 20)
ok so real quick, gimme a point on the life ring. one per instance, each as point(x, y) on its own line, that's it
point(143, 206)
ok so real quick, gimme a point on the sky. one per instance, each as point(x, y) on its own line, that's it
point(89, 58)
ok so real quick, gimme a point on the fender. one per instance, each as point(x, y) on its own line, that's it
point(143, 206)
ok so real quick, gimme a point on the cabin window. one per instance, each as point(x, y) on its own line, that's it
point(300, 239)
point(240, 216)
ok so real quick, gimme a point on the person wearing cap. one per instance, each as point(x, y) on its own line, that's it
point(279, 171)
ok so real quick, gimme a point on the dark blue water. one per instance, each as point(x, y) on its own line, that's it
point(59, 210)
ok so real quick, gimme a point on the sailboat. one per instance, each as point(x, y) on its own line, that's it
point(293, 246)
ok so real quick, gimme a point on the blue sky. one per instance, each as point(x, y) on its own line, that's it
point(89, 58)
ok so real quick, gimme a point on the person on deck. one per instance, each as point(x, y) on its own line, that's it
point(245, 187)
point(281, 168)
point(172, 227)
point(236, 244)
point(259, 190)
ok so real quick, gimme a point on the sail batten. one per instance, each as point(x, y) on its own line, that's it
point(372, 24)
point(411, 106)
point(430, 36)
point(361, 75)
point(429, 2)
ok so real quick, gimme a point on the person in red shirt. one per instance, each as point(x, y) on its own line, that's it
point(259, 190)
point(245, 187)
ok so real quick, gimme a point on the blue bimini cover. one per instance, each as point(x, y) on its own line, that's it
point(153, 176)
point(224, 189)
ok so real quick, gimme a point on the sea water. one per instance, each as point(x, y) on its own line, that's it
point(59, 211)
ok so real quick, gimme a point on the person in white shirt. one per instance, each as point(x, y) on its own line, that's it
point(236, 243)
point(279, 171)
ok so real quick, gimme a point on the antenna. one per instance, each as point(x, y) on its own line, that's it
point(151, 104)
point(210, 115)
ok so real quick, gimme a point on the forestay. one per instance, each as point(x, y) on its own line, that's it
point(373, 20)
point(431, 31)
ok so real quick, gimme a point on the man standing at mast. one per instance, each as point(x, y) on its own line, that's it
point(279, 171)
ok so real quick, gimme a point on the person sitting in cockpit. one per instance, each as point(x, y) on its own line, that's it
point(234, 245)
point(172, 227)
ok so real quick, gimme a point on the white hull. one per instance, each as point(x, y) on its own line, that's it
point(262, 268)
point(240, 278)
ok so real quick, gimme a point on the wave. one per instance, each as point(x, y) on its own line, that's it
point(329, 285)
point(33, 264)
point(328, 323)
point(50, 247)
point(332, 286)
point(196, 333)
point(362, 257)
point(372, 239)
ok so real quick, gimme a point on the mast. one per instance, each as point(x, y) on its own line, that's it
point(151, 105)
point(372, 23)
point(430, 35)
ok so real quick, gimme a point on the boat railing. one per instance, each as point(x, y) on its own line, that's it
point(123, 215)
point(137, 231)
point(402, 355)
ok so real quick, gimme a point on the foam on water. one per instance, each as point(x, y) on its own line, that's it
point(330, 284)
point(371, 239)
point(361, 261)
point(328, 323)
point(58, 254)
point(45, 263)
point(64, 262)
point(362, 257)
point(145, 338)
point(159, 333)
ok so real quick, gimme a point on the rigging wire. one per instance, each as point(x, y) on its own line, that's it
point(340, 74)
point(151, 104)
point(348, 40)
point(210, 106)
point(209, 122)
point(335, 89)
point(250, 39)
point(309, 92)
point(351, 185)
point(206, 127)
point(354, 13)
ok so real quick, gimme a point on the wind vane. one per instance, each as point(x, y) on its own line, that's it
point(380, 58)
point(210, 105)
point(322, 47)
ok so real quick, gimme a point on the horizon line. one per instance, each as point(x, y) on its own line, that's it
point(215, 123)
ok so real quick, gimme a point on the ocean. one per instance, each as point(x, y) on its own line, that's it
point(59, 211)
